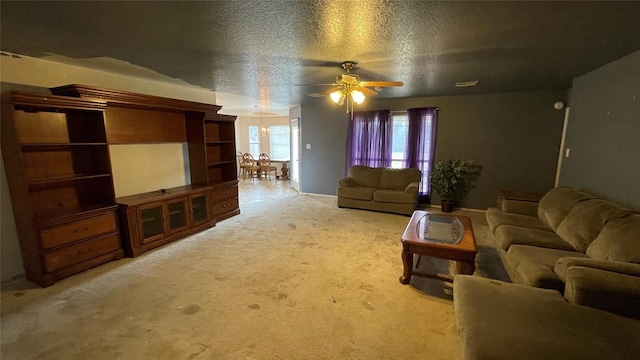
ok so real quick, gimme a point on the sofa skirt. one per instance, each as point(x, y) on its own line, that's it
point(394, 208)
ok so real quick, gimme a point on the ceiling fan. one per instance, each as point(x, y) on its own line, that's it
point(349, 87)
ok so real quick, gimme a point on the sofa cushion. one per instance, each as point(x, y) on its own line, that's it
point(535, 265)
point(585, 221)
point(619, 240)
point(605, 290)
point(508, 235)
point(565, 263)
point(394, 196)
point(365, 176)
point(496, 218)
point(357, 192)
point(557, 203)
point(398, 179)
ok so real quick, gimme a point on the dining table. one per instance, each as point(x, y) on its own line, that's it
point(284, 170)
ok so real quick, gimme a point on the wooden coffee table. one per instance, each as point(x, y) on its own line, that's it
point(436, 243)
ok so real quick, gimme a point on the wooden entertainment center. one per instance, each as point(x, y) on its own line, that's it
point(58, 167)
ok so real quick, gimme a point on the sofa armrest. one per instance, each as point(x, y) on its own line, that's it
point(564, 264)
point(605, 290)
point(412, 188)
point(347, 182)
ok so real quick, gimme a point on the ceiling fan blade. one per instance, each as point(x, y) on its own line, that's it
point(326, 92)
point(331, 84)
point(381, 83)
point(366, 91)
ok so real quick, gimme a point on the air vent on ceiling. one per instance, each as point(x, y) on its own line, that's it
point(467, 83)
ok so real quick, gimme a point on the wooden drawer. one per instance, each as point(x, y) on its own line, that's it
point(224, 193)
point(220, 207)
point(75, 254)
point(82, 229)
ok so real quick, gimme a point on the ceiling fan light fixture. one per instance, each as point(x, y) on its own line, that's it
point(357, 96)
point(337, 97)
point(349, 89)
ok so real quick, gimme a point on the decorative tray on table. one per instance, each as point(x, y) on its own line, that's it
point(444, 229)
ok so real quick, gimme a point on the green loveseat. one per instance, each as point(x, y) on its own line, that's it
point(380, 189)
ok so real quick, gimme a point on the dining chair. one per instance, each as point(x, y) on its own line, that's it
point(249, 164)
point(264, 162)
point(241, 168)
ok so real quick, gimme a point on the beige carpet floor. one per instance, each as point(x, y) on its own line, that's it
point(292, 277)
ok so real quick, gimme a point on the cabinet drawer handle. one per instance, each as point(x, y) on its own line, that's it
point(86, 228)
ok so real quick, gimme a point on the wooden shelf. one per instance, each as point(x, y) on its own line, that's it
point(28, 147)
point(59, 171)
point(43, 218)
point(59, 174)
point(220, 142)
point(63, 179)
point(221, 163)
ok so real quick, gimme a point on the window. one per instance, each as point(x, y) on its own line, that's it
point(402, 140)
point(421, 137)
point(279, 142)
point(399, 137)
point(254, 141)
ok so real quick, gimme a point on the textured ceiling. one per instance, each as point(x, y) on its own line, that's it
point(261, 49)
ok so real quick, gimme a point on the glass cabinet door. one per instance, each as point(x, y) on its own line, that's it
point(152, 220)
point(199, 212)
point(177, 215)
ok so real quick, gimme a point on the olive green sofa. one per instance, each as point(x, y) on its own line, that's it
point(380, 189)
point(572, 234)
point(575, 263)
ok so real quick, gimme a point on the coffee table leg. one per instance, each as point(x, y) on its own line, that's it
point(465, 268)
point(407, 261)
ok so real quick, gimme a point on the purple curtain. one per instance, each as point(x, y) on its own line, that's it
point(369, 139)
point(421, 143)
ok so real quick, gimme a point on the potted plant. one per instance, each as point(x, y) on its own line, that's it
point(452, 179)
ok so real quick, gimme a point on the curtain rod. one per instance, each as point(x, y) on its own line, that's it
point(435, 107)
point(404, 111)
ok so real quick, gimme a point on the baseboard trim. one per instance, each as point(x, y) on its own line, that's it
point(463, 209)
point(314, 194)
point(10, 279)
point(425, 206)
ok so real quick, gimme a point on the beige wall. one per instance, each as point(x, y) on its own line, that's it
point(162, 166)
point(138, 175)
point(37, 72)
